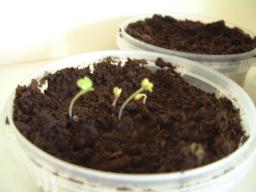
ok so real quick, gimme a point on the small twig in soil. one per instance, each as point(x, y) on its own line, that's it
point(146, 85)
point(86, 85)
point(117, 92)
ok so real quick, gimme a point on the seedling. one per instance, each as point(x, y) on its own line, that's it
point(86, 85)
point(140, 96)
point(117, 92)
point(146, 85)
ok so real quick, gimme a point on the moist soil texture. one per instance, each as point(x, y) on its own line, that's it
point(191, 36)
point(178, 128)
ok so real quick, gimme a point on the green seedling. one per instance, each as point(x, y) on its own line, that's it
point(146, 85)
point(141, 96)
point(86, 85)
point(117, 92)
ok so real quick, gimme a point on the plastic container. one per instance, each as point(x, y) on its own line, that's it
point(235, 66)
point(55, 175)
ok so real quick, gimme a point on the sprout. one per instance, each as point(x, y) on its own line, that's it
point(86, 85)
point(140, 96)
point(146, 85)
point(117, 92)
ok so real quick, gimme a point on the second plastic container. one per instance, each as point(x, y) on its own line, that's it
point(234, 66)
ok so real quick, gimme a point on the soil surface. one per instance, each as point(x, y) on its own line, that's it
point(180, 127)
point(191, 36)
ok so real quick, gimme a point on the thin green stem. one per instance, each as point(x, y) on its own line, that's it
point(127, 101)
point(115, 100)
point(75, 98)
point(144, 99)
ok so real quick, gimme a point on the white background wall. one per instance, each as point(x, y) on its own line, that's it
point(33, 30)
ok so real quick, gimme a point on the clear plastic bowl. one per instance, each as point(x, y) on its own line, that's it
point(235, 66)
point(53, 174)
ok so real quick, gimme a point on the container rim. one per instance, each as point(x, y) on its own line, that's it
point(65, 167)
point(194, 56)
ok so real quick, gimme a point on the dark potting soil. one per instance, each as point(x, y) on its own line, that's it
point(191, 36)
point(180, 126)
